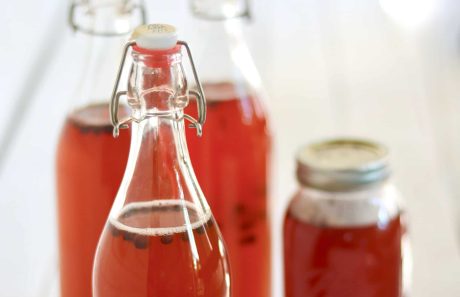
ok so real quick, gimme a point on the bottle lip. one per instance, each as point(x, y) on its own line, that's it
point(157, 52)
point(106, 19)
point(343, 164)
point(157, 58)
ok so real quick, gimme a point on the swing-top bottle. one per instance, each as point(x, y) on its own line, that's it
point(89, 162)
point(160, 238)
point(232, 159)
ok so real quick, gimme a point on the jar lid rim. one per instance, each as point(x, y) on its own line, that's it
point(342, 163)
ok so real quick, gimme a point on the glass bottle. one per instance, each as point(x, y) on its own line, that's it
point(232, 157)
point(344, 230)
point(89, 162)
point(160, 238)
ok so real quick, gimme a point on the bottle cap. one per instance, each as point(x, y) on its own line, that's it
point(155, 36)
point(342, 164)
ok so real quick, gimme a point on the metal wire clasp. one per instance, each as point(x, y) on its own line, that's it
point(115, 98)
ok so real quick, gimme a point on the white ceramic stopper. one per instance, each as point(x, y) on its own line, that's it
point(155, 36)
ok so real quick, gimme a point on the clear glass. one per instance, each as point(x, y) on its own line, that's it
point(89, 161)
point(232, 157)
point(220, 9)
point(339, 242)
point(106, 17)
point(160, 238)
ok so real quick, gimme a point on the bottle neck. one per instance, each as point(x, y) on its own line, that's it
point(213, 45)
point(222, 43)
point(157, 84)
point(101, 29)
point(159, 166)
point(97, 69)
point(106, 18)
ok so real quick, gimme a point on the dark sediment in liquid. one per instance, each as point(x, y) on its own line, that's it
point(161, 248)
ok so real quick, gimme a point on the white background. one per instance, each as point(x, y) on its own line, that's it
point(330, 67)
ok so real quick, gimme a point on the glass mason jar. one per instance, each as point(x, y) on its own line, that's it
point(233, 155)
point(89, 162)
point(344, 230)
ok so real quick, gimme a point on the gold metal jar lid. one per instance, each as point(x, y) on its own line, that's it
point(342, 164)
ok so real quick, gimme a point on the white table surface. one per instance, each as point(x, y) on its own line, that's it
point(330, 68)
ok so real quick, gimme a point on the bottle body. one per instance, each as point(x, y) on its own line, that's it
point(232, 157)
point(89, 161)
point(231, 160)
point(159, 243)
point(90, 165)
point(158, 262)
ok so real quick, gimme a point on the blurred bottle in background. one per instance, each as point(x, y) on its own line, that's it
point(90, 162)
point(232, 157)
point(344, 230)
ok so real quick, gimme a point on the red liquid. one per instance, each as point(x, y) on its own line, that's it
point(172, 258)
point(90, 166)
point(362, 261)
point(230, 161)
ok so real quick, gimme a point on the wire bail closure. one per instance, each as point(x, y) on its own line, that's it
point(115, 98)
